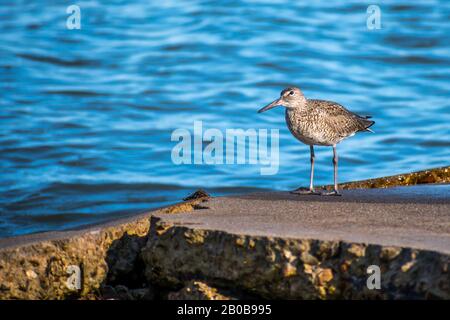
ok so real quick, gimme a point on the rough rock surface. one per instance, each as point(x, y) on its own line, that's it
point(198, 290)
point(274, 267)
point(121, 292)
point(37, 266)
point(437, 175)
point(40, 270)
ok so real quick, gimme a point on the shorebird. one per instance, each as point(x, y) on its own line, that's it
point(318, 122)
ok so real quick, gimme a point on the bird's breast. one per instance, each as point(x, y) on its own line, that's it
point(306, 128)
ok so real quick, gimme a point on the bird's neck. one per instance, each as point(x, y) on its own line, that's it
point(300, 105)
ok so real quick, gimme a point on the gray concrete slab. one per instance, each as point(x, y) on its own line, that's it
point(416, 216)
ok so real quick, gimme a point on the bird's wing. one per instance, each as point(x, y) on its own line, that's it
point(339, 119)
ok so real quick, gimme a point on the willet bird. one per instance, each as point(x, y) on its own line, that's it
point(318, 122)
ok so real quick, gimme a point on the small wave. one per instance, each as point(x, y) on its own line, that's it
point(75, 93)
point(405, 7)
point(435, 143)
point(65, 187)
point(56, 218)
point(411, 41)
point(58, 61)
point(407, 60)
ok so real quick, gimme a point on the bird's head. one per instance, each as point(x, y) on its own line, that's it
point(291, 97)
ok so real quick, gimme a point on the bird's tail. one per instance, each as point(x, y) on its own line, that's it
point(365, 123)
point(368, 124)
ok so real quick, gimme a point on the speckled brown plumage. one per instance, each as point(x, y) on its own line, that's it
point(325, 123)
point(318, 122)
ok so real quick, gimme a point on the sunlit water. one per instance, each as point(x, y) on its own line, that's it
point(86, 115)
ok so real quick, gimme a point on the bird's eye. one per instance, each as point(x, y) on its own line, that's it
point(291, 93)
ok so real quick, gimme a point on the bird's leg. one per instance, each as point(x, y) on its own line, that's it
point(311, 174)
point(335, 192)
point(311, 177)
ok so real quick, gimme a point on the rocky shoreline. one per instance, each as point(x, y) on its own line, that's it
point(152, 256)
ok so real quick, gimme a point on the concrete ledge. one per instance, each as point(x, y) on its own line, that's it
point(415, 216)
point(279, 245)
point(260, 245)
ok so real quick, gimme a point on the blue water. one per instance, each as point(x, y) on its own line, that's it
point(86, 115)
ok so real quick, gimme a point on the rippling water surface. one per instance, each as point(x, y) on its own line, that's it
point(86, 115)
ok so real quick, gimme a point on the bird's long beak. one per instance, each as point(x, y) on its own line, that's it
point(276, 103)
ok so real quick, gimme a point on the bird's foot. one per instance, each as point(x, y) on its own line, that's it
point(332, 193)
point(304, 191)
